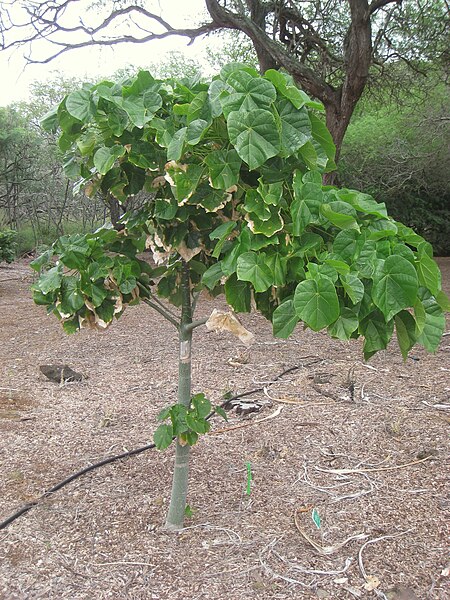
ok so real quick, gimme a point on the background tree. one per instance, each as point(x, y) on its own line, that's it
point(331, 48)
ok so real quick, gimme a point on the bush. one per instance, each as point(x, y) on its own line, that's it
point(7, 245)
point(400, 156)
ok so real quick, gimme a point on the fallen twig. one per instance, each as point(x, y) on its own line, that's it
point(379, 593)
point(326, 550)
point(373, 470)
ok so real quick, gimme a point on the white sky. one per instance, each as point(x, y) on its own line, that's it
point(85, 63)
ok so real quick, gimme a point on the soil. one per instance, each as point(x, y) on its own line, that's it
point(368, 457)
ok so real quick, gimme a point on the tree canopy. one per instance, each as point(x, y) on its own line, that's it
point(331, 48)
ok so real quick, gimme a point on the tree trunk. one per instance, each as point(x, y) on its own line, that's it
point(175, 515)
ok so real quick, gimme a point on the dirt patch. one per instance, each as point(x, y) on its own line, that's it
point(363, 444)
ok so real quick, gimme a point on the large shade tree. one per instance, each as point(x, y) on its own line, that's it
point(330, 47)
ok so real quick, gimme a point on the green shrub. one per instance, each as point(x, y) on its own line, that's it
point(7, 245)
point(400, 155)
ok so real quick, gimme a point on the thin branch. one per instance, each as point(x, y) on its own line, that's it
point(162, 312)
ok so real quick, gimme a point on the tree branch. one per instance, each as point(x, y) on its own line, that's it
point(377, 4)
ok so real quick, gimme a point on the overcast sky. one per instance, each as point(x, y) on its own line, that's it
point(91, 62)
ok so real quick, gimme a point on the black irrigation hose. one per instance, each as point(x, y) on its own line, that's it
point(26, 507)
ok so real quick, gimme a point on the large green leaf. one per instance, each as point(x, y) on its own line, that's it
point(363, 203)
point(252, 267)
point(255, 204)
point(238, 294)
point(295, 127)
point(249, 93)
point(353, 286)
point(434, 325)
point(345, 325)
point(221, 233)
point(316, 302)
point(80, 105)
point(105, 158)
point(428, 271)
point(405, 326)
point(321, 134)
point(284, 319)
point(254, 135)
point(184, 180)
point(285, 85)
point(341, 214)
point(224, 167)
point(267, 227)
point(377, 333)
point(395, 286)
point(50, 280)
point(176, 144)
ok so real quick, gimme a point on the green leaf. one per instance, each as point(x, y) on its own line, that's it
point(271, 193)
point(347, 245)
point(79, 104)
point(377, 333)
point(405, 326)
point(212, 276)
point(201, 404)
point(198, 425)
point(428, 272)
point(285, 85)
point(316, 302)
point(419, 316)
point(345, 325)
point(363, 203)
point(176, 145)
point(163, 436)
point(71, 325)
point(238, 294)
point(105, 158)
point(278, 265)
point(284, 319)
point(341, 214)
point(353, 286)
point(224, 167)
point(42, 261)
point(249, 93)
point(434, 322)
point(221, 233)
point(395, 286)
point(295, 127)
point(321, 134)
point(184, 181)
point(256, 205)
point(220, 411)
point(71, 296)
point(254, 135)
point(49, 121)
point(195, 131)
point(253, 267)
point(50, 280)
point(443, 300)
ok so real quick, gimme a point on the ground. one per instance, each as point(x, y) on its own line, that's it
point(101, 536)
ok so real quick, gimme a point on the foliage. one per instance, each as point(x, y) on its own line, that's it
point(235, 171)
point(186, 423)
point(7, 245)
point(331, 48)
point(401, 156)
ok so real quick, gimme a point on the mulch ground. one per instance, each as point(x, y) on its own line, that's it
point(369, 458)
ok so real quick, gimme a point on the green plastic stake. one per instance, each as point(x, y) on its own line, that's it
point(249, 478)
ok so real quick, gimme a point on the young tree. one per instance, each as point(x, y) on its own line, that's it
point(329, 47)
point(236, 205)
